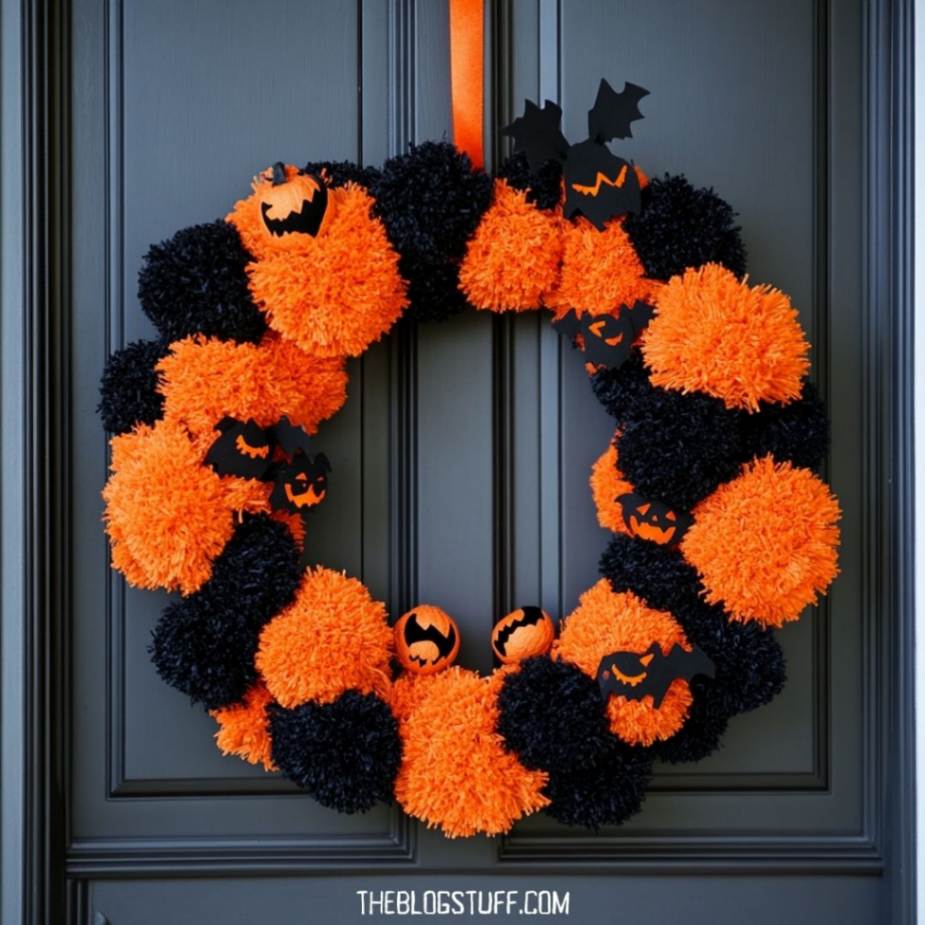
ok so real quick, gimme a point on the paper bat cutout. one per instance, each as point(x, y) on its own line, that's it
point(530, 616)
point(243, 448)
point(598, 184)
point(634, 676)
point(413, 632)
point(607, 340)
point(653, 520)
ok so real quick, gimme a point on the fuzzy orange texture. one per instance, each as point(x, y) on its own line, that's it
point(204, 379)
point(455, 771)
point(716, 334)
point(244, 729)
point(607, 484)
point(168, 516)
point(766, 543)
point(339, 292)
point(247, 217)
point(606, 622)
point(333, 637)
point(600, 270)
point(512, 261)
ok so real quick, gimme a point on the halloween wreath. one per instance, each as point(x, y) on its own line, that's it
point(722, 533)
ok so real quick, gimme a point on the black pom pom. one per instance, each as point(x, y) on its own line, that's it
point(258, 571)
point(606, 793)
point(798, 432)
point(204, 644)
point(703, 729)
point(551, 715)
point(678, 448)
point(679, 227)
point(205, 649)
point(619, 390)
point(345, 754)
point(128, 389)
point(431, 200)
point(196, 283)
point(337, 173)
point(543, 186)
point(657, 574)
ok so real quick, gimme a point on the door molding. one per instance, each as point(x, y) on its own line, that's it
point(34, 455)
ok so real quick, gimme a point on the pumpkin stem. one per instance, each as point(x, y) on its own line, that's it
point(279, 173)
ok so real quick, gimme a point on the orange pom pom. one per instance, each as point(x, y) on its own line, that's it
point(607, 484)
point(168, 516)
point(203, 380)
point(513, 258)
point(716, 334)
point(339, 292)
point(244, 729)
point(455, 771)
point(605, 622)
point(766, 543)
point(600, 270)
point(333, 637)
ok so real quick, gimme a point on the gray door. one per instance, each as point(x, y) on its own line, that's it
point(463, 452)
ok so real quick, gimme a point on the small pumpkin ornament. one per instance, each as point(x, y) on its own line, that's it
point(426, 640)
point(521, 634)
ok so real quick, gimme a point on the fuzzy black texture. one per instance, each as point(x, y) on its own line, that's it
point(431, 201)
point(605, 793)
point(204, 644)
point(679, 227)
point(703, 729)
point(551, 715)
point(196, 283)
point(543, 186)
point(128, 389)
point(338, 173)
point(621, 389)
point(798, 432)
point(678, 448)
point(345, 754)
point(657, 574)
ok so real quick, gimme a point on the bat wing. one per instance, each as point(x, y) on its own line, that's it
point(612, 113)
point(289, 437)
point(537, 134)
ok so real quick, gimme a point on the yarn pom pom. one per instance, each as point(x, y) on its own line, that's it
point(797, 432)
point(766, 544)
point(714, 334)
point(431, 200)
point(619, 389)
point(543, 187)
point(703, 729)
point(332, 638)
point(551, 715)
point(340, 173)
point(244, 728)
point(456, 772)
point(513, 257)
point(677, 448)
point(680, 227)
point(129, 388)
point(606, 793)
point(607, 484)
point(344, 754)
point(195, 283)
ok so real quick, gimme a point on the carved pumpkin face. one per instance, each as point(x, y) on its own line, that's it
point(426, 640)
point(521, 634)
point(302, 483)
point(291, 202)
point(653, 520)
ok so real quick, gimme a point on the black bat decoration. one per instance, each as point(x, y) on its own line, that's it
point(243, 448)
point(531, 616)
point(634, 676)
point(598, 184)
point(607, 340)
point(414, 632)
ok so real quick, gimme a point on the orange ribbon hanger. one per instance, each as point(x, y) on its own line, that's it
point(467, 28)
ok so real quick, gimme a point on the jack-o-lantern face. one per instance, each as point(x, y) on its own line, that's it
point(521, 634)
point(653, 520)
point(292, 202)
point(606, 340)
point(302, 483)
point(426, 640)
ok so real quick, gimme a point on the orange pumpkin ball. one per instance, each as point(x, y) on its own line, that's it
point(522, 633)
point(426, 640)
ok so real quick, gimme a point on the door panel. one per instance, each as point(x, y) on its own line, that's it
point(461, 457)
